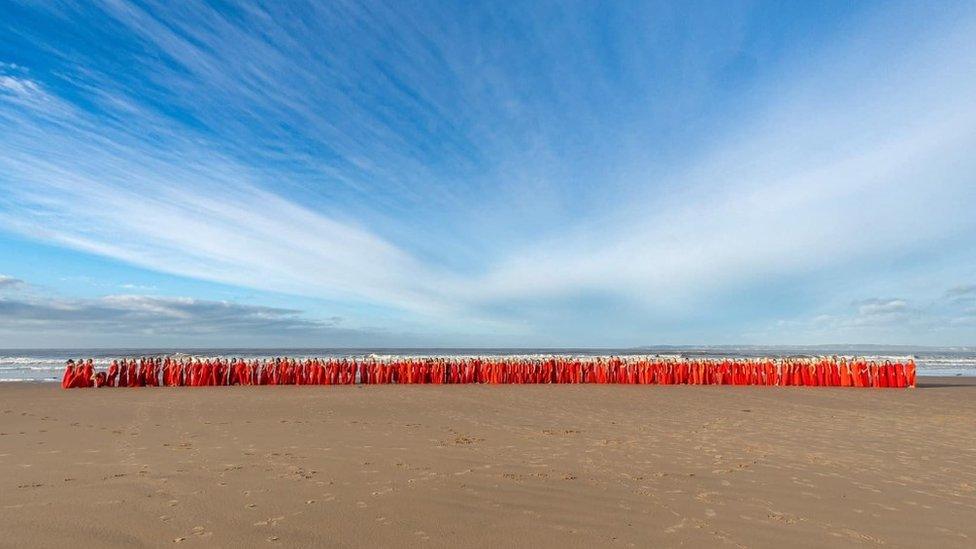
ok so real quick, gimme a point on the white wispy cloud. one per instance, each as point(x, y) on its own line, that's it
point(825, 176)
point(19, 87)
point(881, 307)
point(841, 163)
point(9, 282)
point(140, 314)
point(962, 292)
point(927, 319)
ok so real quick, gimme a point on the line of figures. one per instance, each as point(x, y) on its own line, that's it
point(207, 372)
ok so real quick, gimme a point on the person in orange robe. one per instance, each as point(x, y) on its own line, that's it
point(832, 377)
point(900, 380)
point(219, 372)
point(216, 371)
point(203, 379)
point(195, 371)
point(771, 373)
point(298, 373)
point(845, 374)
point(180, 373)
point(291, 372)
point(303, 372)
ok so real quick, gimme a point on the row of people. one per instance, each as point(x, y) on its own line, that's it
point(204, 372)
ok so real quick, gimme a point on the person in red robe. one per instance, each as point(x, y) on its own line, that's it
point(123, 374)
point(68, 378)
point(133, 378)
point(87, 376)
point(142, 372)
point(113, 374)
point(884, 379)
point(175, 370)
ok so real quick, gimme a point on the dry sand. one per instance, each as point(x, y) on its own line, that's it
point(489, 466)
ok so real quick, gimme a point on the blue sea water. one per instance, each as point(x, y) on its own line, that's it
point(46, 365)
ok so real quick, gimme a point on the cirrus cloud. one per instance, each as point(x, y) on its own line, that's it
point(8, 282)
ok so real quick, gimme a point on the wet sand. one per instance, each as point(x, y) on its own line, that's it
point(489, 466)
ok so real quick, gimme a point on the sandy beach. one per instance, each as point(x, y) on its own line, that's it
point(489, 466)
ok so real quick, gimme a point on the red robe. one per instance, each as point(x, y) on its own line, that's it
point(69, 375)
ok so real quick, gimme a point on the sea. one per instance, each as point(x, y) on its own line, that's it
point(47, 365)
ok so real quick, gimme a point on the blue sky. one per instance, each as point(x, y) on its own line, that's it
point(511, 174)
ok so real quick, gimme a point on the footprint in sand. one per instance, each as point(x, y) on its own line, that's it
point(273, 521)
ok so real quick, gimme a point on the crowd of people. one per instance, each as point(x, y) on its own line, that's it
point(207, 372)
